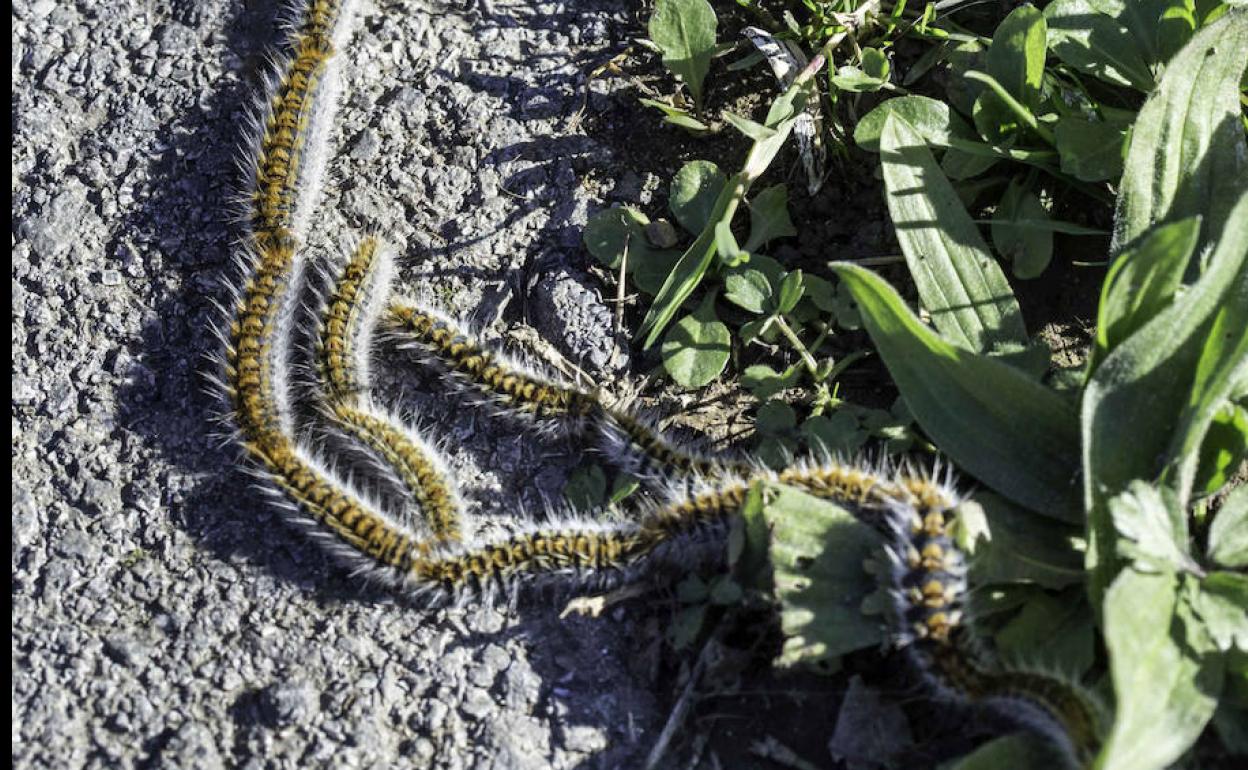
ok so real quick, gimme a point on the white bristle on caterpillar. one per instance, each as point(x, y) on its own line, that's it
point(515, 387)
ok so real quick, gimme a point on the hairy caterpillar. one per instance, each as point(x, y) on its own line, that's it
point(927, 576)
point(344, 350)
point(629, 439)
point(287, 167)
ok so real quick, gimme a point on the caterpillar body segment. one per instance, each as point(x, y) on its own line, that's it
point(627, 439)
point(352, 527)
point(348, 319)
point(257, 365)
point(415, 466)
point(296, 118)
point(514, 387)
point(635, 444)
point(285, 183)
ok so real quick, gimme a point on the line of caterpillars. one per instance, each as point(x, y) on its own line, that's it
point(426, 546)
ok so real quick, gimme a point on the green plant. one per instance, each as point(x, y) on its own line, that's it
point(1153, 427)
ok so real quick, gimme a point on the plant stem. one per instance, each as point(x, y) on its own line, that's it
point(811, 365)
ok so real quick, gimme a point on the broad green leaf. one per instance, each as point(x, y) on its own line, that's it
point(696, 349)
point(586, 487)
point(931, 118)
point(1095, 43)
point(1141, 283)
point(1091, 150)
point(818, 549)
point(725, 591)
point(1187, 154)
point(686, 626)
point(790, 292)
point(684, 30)
point(1152, 529)
point(650, 268)
point(769, 217)
point(961, 91)
point(821, 292)
point(1228, 535)
point(1145, 20)
point(1006, 429)
point(1165, 696)
point(1223, 365)
point(748, 289)
point(838, 435)
point(693, 192)
point(1024, 547)
point(691, 590)
point(1016, 60)
point(1164, 381)
point(870, 77)
point(1221, 600)
point(764, 382)
point(609, 232)
point(959, 282)
point(1028, 249)
point(623, 486)
point(775, 417)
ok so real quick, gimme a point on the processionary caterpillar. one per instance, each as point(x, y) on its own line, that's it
point(433, 553)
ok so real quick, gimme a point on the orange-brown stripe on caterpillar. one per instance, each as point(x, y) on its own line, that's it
point(283, 142)
point(346, 321)
point(257, 366)
point(512, 387)
point(641, 448)
point(344, 345)
point(414, 464)
point(625, 438)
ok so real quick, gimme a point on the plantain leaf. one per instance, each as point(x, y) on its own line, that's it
point(1165, 694)
point(959, 282)
point(1016, 60)
point(1085, 38)
point(1024, 547)
point(931, 118)
point(1091, 150)
point(1187, 154)
point(1166, 381)
point(1008, 430)
point(769, 217)
point(1028, 247)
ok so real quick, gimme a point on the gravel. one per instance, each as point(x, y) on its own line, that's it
point(163, 615)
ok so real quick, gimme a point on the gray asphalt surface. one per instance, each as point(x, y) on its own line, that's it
point(163, 614)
